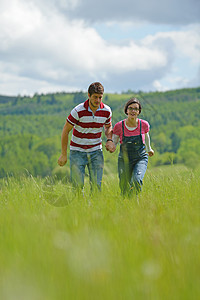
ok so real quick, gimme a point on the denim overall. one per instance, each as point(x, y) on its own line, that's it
point(132, 162)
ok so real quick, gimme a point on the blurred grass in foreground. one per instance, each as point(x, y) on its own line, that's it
point(56, 244)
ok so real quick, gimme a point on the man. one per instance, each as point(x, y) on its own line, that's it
point(87, 120)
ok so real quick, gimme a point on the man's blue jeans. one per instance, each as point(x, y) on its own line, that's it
point(93, 160)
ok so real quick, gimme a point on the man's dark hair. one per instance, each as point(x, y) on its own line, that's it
point(95, 88)
point(131, 101)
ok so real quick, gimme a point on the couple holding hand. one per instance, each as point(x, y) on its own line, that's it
point(87, 121)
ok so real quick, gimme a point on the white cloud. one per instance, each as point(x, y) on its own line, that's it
point(18, 19)
point(186, 42)
point(158, 86)
point(42, 49)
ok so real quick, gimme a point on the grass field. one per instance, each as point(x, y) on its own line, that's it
point(55, 244)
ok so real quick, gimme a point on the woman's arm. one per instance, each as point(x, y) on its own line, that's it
point(148, 145)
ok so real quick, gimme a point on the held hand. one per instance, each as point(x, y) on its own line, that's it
point(110, 146)
point(151, 153)
point(62, 160)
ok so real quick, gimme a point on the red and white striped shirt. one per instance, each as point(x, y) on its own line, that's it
point(86, 136)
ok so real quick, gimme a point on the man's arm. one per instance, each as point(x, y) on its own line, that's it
point(64, 143)
point(110, 146)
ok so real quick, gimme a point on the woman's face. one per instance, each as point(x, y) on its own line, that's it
point(133, 110)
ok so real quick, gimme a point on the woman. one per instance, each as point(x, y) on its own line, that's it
point(133, 134)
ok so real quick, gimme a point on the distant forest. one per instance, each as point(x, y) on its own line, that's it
point(30, 129)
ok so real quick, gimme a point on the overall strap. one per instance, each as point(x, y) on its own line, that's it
point(123, 129)
point(140, 127)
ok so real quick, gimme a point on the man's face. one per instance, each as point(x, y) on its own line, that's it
point(95, 100)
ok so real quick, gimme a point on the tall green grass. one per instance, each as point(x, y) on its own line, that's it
point(58, 244)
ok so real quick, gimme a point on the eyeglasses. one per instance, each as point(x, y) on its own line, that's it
point(133, 108)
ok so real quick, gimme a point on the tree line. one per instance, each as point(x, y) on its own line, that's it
point(30, 128)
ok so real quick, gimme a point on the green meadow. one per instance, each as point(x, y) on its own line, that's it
point(58, 244)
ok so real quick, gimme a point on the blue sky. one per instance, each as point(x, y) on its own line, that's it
point(118, 31)
point(64, 45)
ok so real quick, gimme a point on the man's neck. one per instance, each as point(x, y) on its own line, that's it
point(93, 109)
